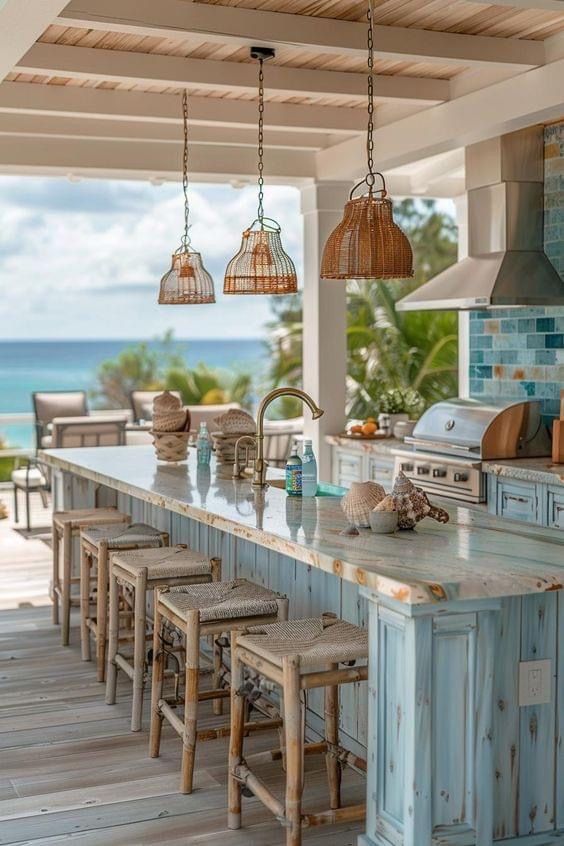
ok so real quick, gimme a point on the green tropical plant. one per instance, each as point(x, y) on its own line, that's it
point(202, 386)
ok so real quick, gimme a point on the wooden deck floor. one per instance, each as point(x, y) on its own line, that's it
point(70, 769)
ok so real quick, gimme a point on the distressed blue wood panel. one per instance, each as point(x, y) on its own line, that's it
point(417, 727)
point(483, 706)
point(453, 716)
point(506, 719)
point(391, 753)
point(538, 723)
point(560, 715)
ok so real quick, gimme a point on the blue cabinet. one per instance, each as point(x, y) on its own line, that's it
point(529, 502)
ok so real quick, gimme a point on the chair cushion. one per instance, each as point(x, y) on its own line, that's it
point(78, 517)
point(118, 537)
point(222, 600)
point(315, 641)
point(167, 562)
point(35, 479)
point(50, 404)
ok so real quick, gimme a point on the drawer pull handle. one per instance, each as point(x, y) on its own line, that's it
point(516, 498)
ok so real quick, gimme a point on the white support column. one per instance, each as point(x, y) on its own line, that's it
point(324, 320)
point(461, 205)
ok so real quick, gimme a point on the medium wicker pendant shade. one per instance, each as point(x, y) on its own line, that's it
point(261, 266)
point(187, 282)
point(367, 244)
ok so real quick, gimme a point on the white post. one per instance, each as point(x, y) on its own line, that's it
point(324, 320)
point(461, 205)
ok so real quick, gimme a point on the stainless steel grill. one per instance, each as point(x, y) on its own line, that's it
point(444, 454)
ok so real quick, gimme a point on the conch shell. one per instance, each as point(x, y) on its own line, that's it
point(412, 504)
point(360, 501)
point(236, 422)
point(386, 505)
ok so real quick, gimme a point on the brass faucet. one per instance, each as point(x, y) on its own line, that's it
point(260, 465)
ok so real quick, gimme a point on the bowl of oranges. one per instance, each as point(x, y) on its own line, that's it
point(367, 429)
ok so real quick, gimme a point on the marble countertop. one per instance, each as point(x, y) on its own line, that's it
point(474, 556)
point(373, 446)
point(527, 470)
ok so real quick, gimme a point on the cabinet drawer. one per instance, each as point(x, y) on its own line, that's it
point(555, 509)
point(347, 468)
point(517, 501)
point(381, 470)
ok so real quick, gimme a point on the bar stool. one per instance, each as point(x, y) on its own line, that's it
point(198, 611)
point(95, 546)
point(66, 526)
point(141, 570)
point(290, 655)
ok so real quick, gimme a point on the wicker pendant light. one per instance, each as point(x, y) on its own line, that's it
point(367, 244)
point(261, 266)
point(187, 282)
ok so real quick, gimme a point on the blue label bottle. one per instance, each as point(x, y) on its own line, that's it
point(294, 474)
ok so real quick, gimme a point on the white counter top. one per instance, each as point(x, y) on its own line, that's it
point(474, 556)
point(527, 470)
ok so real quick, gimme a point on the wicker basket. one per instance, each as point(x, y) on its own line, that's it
point(224, 446)
point(171, 446)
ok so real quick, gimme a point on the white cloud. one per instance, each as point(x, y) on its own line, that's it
point(83, 260)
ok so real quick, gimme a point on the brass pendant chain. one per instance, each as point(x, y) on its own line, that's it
point(260, 212)
point(186, 237)
point(372, 174)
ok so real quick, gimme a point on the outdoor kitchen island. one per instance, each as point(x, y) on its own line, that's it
point(455, 753)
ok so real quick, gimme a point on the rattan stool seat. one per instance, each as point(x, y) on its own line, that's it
point(314, 642)
point(117, 537)
point(222, 600)
point(164, 562)
point(79, 517)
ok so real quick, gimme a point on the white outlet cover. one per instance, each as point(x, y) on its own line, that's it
point(535, 682)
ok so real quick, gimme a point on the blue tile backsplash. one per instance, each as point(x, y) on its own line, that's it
point(520, 352)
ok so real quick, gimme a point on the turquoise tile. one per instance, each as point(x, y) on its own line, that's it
point(545, 356)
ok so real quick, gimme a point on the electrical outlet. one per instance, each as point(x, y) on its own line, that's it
point(535, 682)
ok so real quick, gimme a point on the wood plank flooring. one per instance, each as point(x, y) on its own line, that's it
point(70, 768)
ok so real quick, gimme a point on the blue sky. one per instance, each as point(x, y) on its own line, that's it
point(84, 259)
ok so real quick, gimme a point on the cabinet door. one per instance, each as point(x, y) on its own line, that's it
point(518, 501)
point(347, 467)
point(381, 470)
point(555, 507)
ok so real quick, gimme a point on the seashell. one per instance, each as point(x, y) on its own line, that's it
point(359, 502)
point(386, 505)
point(412, 504)
point(170, 421)
point(236, 421)
point(166, 402)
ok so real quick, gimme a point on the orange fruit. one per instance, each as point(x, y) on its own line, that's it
point(369, 428)
point(356, 430)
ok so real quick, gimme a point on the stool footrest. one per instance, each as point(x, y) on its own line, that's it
point(352, 813)
point(244, 775)
point(124, 665)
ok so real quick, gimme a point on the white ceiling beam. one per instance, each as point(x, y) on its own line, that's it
point(174, 71)
point(21, 23)
point(63, 100)
point(506, 106)
point(152, 160)
point(133, 132)
point(176, 19)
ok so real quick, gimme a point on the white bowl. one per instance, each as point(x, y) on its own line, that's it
point(384, 522)
point(403, 428)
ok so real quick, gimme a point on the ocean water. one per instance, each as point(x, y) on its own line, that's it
point(27, 366)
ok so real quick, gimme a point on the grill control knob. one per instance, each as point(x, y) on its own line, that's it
point(423, 470)
point(460, 477)
point(439, 472)
point(407, 467)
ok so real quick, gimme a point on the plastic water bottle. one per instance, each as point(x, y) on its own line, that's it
point(294, 473)
point(203, 445)
point(309, 470)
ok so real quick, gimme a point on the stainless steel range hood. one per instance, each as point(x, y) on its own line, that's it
point(506, 264)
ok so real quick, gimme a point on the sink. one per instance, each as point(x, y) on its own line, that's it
point(323, 488)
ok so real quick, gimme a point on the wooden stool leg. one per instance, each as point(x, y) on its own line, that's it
point(217, 662)
point(190, 700)
point(236, 737)
point(55, 578)
point(102, 611)
point(66, 586)
point(156, 682)
point(85, 565)
point(294, 750)
point(139, 648)
point(332, 738)
point(215, 567)
point(113, 642)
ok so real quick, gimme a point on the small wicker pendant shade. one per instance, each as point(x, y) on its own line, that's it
point(367, 244)
point(187, 282)
point(261, 266)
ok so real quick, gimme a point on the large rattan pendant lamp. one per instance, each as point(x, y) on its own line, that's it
point(187, 282)
point(367, 244)
point(261, 266)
